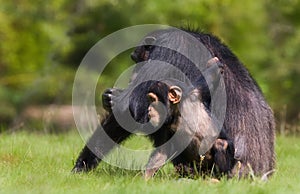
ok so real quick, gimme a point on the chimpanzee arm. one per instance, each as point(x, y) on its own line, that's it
point(101, 142)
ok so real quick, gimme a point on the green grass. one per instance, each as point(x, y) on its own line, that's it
point(37, 163)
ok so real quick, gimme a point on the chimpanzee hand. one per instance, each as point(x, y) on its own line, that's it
point(107, 98)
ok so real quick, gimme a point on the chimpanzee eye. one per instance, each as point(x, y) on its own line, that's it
point(148, 47)
point(152, 97)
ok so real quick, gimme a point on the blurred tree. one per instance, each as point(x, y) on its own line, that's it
point(284, 75)
point(42, 43)
point(31, 32)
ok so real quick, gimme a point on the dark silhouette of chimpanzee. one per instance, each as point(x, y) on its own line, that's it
point(249, 121)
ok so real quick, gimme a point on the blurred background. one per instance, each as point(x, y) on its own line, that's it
point(43, 42)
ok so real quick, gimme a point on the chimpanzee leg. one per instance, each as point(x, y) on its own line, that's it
point(221, 155)
point(157, 159)
point(101, 142)
point(163, 151)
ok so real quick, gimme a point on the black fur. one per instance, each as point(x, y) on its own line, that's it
point(249, 121)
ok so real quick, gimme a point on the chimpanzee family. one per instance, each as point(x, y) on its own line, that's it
point(246, 140)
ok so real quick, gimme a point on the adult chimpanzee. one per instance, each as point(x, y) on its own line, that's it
point(249, 121)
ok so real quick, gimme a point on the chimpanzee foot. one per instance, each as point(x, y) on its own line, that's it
point(107, 98)
point(84, 166)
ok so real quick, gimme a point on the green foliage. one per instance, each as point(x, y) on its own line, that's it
point(42, 43)
point(283, 55)
point(37, 163)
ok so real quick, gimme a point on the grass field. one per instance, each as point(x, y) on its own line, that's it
point(39, 163)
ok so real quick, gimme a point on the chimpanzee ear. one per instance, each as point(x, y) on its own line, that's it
point(152, 97)
point(175, 94)
point(149, 40)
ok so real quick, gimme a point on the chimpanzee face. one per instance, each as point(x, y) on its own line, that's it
point(156, 108)
point(141, 53)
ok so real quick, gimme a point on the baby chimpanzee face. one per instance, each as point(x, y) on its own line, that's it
point(157, 109)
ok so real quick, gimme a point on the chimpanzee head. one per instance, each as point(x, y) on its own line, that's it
point(157, 45)
point(150, 100)
point(161, 44)
point(163, 98)
point(173, 98)
point(141, 53)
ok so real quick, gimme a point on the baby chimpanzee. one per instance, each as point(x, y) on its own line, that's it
point(185, 124)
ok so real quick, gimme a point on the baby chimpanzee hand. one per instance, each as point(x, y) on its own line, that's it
point(107, 98)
